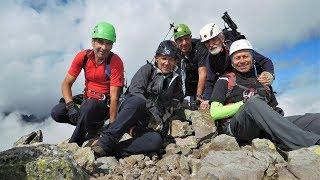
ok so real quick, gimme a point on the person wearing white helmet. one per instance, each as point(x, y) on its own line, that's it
point(218, 61)
point(243, 107)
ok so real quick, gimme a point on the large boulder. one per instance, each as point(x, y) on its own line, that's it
point(202, 124)
point(180, 129)
point(305, 163)
point(39, 161)
point(233, 165)
point(33, 137)
point(220, 143)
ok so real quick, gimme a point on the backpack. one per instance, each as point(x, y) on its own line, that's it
point(107, 70)
point(231, 78)
point(269, 95)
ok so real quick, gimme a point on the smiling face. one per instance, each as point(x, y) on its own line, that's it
point(242, 60)
point(101, 48)
point(214, 45)
point(184, 43)
point(165, 63)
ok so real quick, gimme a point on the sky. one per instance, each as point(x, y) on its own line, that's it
point(40, 39)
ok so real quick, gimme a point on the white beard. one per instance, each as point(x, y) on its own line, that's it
point(216, 50)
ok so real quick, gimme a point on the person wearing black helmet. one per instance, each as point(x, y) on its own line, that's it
point(145, 110)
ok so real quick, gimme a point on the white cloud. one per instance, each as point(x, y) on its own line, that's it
point(300, 101)
point(12, 128)
point(37, 48)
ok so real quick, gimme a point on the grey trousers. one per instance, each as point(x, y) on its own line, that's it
point(256, 118)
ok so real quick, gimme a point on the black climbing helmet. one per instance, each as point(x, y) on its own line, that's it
point(167, 48)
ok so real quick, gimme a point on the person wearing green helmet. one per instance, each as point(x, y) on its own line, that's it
point(104, 80)
point(192, 56)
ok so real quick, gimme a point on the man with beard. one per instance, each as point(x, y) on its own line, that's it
point(218, 61)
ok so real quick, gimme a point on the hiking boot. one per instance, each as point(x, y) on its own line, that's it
point(91, 142)
point(98, 151)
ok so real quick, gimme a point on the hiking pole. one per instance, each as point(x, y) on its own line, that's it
point(165, 37)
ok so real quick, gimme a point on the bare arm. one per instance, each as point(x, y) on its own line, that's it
point(66, 87)
point(114, 99)
point(202, 80)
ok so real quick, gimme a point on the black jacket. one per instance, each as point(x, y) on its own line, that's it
point(195, 59)
point(148, 83)
point(219, 64)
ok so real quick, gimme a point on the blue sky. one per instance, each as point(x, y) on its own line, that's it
point(294, 61)
point(41, 38)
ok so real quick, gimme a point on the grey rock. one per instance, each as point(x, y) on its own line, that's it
point(133, 159)
point(71, 147)
point(195, 165)
point(202, 124)
point(220, 143)
point(150, 163)
point(33, 137)
point(183, 165)
point(233, 165)
point(180, 129)
point(190, 142)
point(283, 173)
point(126, 136)
point(85, 158)
point(172, 149)
point(106, 164)
point(267, 147)
point(131, 174)
point(169, 162)
point(122, 161)
point(185, 151)
point(42, 161)
point(305, 163)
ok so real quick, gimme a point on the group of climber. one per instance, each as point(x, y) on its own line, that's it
point(225, 75)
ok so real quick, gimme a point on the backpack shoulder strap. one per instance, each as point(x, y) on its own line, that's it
point(85, 59)
point(108, 70)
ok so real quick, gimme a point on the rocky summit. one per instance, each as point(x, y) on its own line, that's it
point(194, 151)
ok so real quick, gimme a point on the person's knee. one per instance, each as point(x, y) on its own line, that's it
point(155, 141)
point(88, 106)
point(58, 111)
point(134, 102)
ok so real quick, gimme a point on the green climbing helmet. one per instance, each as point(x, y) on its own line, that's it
point(104, 30)
point(181, 30)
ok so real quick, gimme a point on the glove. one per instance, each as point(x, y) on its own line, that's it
point(248, 94)
point(73, 112)
point(155, 123)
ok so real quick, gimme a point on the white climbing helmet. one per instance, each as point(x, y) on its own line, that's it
point(209, 31)
point(240, 45)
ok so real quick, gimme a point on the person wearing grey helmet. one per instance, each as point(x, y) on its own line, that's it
point(145, 110)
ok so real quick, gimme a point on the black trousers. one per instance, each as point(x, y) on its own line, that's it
point(93, 113)
point(132, 113)
point(256, 117)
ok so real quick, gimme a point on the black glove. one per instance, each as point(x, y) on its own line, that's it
point(155, 123)
point(73, 112)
